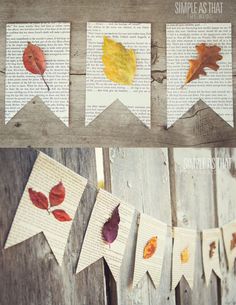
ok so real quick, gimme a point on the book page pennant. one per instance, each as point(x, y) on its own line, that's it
point(229, 236)
point(48, 78)
point(49, 202)
point(118, 66)
point(94, 246)
point(212, 82)
point(183, 256)
point(210, 252)
point(150, 248)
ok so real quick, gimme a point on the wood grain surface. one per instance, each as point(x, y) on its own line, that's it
point(35, 125)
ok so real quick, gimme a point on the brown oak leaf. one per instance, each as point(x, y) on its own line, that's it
point(207, 58)
point(212, 249)
point(233, 241)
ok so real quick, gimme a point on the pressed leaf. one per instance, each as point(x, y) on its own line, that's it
point(212, 249)
point(57, 194)
point(119, 62)
point(61, 215)
point(111, 227)
point(185, 255)
point(38, 199)
point(34, 60)
point(233, 241)
point(150, 248)
point(207, 58)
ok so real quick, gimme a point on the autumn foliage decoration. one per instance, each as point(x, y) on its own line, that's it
point(150, 248)
point(111, 227)
point(119, 62)
point(34, 61)
point(207, 58)
point(56, 197)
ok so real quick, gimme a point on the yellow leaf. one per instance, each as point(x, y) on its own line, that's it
point(185, 255)
point(119, 62)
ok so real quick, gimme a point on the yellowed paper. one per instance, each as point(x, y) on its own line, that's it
point(30, 220)
point(183, 256)
point(149, 227)
point(211, 260)
point(94, 247)
point(229, 235)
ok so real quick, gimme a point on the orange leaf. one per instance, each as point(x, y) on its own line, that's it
point(207, 58)
point(34, 60)
point(150, 248)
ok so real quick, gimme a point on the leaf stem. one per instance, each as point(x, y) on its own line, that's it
point(45, 81)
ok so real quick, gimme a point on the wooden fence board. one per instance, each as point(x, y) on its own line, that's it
point(226, 203)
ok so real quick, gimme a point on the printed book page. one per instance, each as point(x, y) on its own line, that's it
point(148, 228)
point(183, 255)
point(21, 85)
point(94, 247)
point(216, 87)
point(101, 91)
point(31, 220)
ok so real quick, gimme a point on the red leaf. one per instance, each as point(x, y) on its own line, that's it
point(38, 199)
point(34, 60)
point(111, 227)
point(61, 215)
point(57, 194)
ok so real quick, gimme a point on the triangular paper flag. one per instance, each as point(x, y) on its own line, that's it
point(229, 235)
point(101, 91)
point(210, 252)
point(216, 87)
point(94, 247)
point(33, 215)
point(183, 256)
point(150, 260)
point(22, 85)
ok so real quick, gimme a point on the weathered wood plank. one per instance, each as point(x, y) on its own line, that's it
point(226, 194)
point(37, 127)
point(141, 178)
point(30, 268)
point(195, 208)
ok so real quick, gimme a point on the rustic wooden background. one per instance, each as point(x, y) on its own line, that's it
point(152, 181)
point(36, 126)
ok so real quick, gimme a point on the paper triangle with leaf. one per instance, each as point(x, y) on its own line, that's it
point(118, 68)
point(150, 249)
point(183, 259)
point(199, 67)
point(34, 68)
point(107, 233)
point(48, 204)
